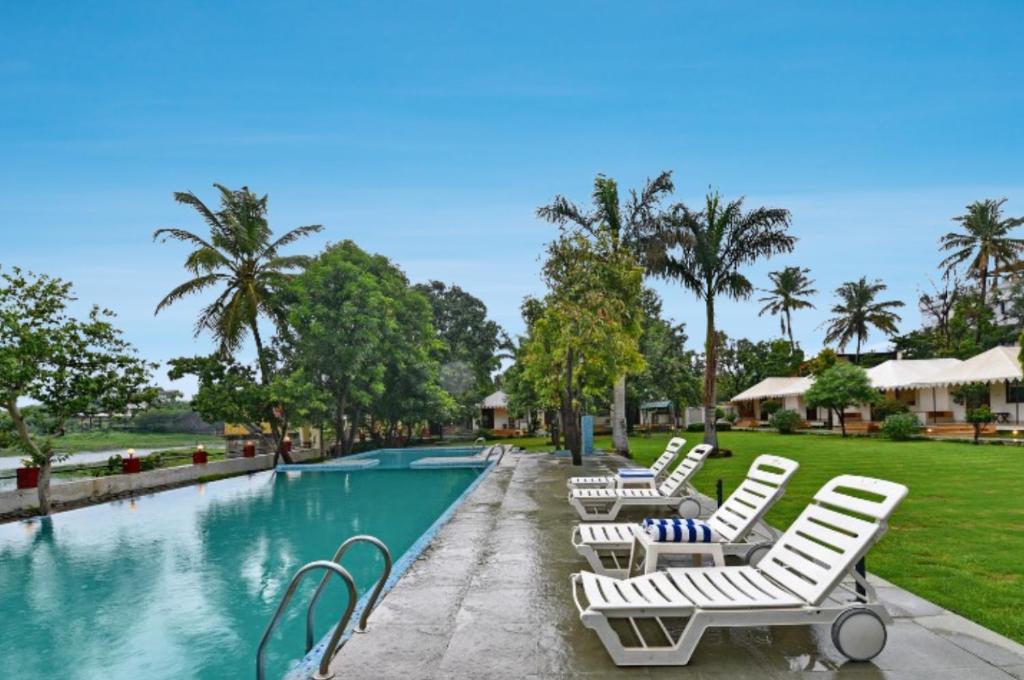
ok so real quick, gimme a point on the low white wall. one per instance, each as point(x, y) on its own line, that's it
point(99, 488)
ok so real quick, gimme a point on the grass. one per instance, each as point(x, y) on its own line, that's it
point(957, 539)
point(106, 440)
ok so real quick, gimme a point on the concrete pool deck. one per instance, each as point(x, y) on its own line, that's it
point(490, 598)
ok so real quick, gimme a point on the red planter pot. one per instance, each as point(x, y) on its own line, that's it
point(131, 466)
point(28, 478)
point(286, 446)
point(199, 457)
point(249, 451)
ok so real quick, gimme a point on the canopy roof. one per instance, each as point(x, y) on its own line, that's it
point(496, 400)
point(652, 405)
point(774, 387)
point(995, 365)
point(896, 373)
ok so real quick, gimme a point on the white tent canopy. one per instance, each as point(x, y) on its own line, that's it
point(770, 388)
point(995, 365)
point(905, 373)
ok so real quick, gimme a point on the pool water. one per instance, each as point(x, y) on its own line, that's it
point(181, 584)
point(399, 458)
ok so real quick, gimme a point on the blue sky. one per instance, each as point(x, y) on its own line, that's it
point(430, 132)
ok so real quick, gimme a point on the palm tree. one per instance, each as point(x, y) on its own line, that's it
point(240, 258)
point(857, 310)
point(985, 240)
point(790, 285)
point(704, 251)
point(621, 222)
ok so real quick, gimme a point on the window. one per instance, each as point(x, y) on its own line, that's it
point(1014, 392)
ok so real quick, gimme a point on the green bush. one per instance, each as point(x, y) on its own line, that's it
point(770, 406)
point(888, 407)
point(699, 427)
point(731, 416)
point(900, 426)
point(785, 421)
point(719, 413)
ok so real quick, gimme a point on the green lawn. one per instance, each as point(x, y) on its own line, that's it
point(105, 440)
point(958, 538)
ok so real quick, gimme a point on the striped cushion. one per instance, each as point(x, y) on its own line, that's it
point(678, 530)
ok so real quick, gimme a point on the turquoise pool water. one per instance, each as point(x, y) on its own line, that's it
point(181, 584)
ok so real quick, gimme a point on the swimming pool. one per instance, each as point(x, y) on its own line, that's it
point(181, 584)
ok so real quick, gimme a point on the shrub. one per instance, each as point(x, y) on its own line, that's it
point(900, 426)
point(731, 416)
point(785, 421)
point(719, 413)
point(770, 406)
point(887, 407)
point(699, 427)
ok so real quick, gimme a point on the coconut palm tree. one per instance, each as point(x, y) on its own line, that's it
point(984, 241)
point(240, 259)
point(857, 311)
point(789, 287)
point(704, 251)
point(621, 222)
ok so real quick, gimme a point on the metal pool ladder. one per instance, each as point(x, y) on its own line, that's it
point(329, 567)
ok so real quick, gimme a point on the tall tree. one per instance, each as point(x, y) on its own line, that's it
point(619, 223)
point(857, 311)
point(65, 365)
point(580, 340)
point(840, 386)
point(243, 261)
point(704, 251)
point(789, 288)
point(985, 240)
point(471, 344)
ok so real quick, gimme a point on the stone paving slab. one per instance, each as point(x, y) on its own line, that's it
point(490, 598)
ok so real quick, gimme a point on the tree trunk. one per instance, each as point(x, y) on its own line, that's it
point(620, 435)
point(275, 425)
point(856, 357)
point(710, 375)
point(37, 456)
point(842, 420)
point(984, 296)
point(789, 330)
point(551, 419)
point(977, 433)
point(569, 421)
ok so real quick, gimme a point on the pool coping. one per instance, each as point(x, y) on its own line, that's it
point(311, 661)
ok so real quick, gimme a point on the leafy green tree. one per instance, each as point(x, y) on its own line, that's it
point(825, 359)
point(857, 311)
point(789, 288)
point(243, 262)
point(580, 340)
point(671, 371)
point(743, 363)
point(472, 344)
point(705, 250)
point(840, 386)
point(617, 224)
point(985, 240)
point(62, 363)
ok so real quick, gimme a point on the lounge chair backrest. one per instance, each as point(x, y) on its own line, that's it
point(665, 459)
point(676, 483)
point(847, 516)
point(746, 506)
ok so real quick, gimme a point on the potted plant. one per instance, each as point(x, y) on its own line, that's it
point(249, 450)
point(131, 465)
point(28, 474)
point(199, 456)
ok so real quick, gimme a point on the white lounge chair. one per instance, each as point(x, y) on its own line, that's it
point(625, 477)
point(619, 550)
point(675, 493)
point(804, 579)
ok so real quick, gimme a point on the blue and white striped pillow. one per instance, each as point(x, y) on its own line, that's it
point(678, 530)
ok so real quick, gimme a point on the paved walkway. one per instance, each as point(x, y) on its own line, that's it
point(491, 599)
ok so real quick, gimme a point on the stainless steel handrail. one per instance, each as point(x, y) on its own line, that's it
point(322, 674)
point(342, 549)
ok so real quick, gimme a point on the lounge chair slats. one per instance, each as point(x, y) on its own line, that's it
point(612, 481)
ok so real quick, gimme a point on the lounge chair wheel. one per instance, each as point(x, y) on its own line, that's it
point(859, 634)
point(757, 553)
point(689, 508)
